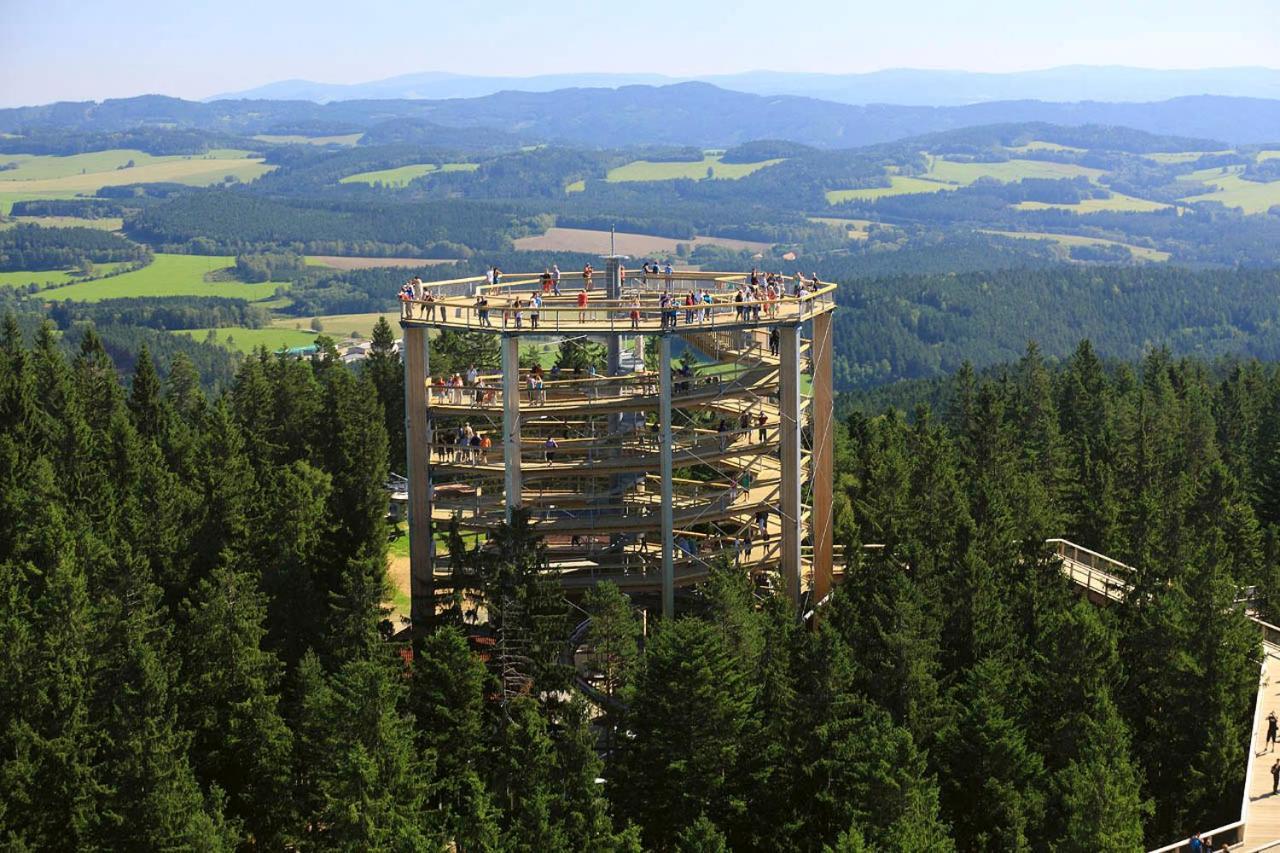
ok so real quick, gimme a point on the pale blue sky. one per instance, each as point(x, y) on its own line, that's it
point(62, 50)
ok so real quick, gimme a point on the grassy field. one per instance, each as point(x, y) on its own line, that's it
point(167, 275)
point(588, 240)
point(855, 229)
point(246, 340)
point(47, 277)
point(108, 223)
point(576, 187)
point(341, 325)
point(899, 185)
point(401, 176)
point(1040, 145)
point(7, 199)
point(1234, 191)
point(1066, 241)
point(1006, 172)
point(1268, 155)
point(645, 170)
point(349, 263)
point(1117, 202)
point(49, 177)
point(347, 139)
point(1176, 157)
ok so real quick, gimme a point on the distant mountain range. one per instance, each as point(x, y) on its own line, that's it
point(681, 114)
point(905, 86)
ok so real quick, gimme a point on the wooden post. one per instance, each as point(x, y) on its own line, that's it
point(789, 429)
point(511, 421)
point(418, 456)
point(668, 524)
point(822, 457)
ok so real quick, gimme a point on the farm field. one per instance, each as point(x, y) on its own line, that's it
point(1066, 241)
point(855, 229)
point(402, 175)
point(108, 223)
point(167, 275)
point(587, 240)
point(7, 199)
point(1176, 157)
point(46, 176)
point(645, 170)
point(48, 277)
point(346, 139)
point(344, 263)
point(1040, 145)
point(899, 185)
point(1117, 202)
point(1007, 172)
point(1235, 191)
point(340, 326)
point(246, 340)
point(1268, 155)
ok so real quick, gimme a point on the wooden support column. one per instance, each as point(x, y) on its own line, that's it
point(418, 456)
point(511, 421)
point(792, 475)
point(822, 457)
point(668, 523)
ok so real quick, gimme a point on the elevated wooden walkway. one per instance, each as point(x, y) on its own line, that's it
point(1105, 580)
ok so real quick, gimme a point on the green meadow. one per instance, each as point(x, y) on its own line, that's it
point(340, 326)
point(167, 275)
point(646, 170)
point(346, 139)
point(1234, 191)
point(1006, 172)
point(1066, 241)
point(48, 176)
point(246, 340)
point(401, 176)
point(45, 278)
point(107, 223)
point(898, 185)
point(1117, 202)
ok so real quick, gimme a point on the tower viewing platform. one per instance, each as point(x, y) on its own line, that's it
point(705, 433)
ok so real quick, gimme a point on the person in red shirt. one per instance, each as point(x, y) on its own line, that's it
point(582, 304)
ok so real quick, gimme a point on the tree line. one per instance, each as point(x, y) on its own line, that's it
point(192, 593)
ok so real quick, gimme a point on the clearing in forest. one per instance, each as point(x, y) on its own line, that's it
point(1118, 202)
point(167, 275)
point(346, 139)
point(696, 170)
point(339, 326)
point(1066, 241)
point(245, 340)
point(402, 175)
point(1234, 191)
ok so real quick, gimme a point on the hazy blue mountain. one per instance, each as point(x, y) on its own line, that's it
point(681, 114)
point(907, 86)
point(436, 85)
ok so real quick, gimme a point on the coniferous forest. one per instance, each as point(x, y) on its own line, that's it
point(197, 656)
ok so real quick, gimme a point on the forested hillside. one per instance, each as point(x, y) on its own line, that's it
point(191, 594)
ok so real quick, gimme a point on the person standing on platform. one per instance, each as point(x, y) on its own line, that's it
point(775, 341)
point(582, 301)
point(555, 280)
point(1272, 727)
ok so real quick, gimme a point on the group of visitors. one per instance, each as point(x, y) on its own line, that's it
point(456, 388)
point(465, 446)
point(537, 386)
point(758, 296)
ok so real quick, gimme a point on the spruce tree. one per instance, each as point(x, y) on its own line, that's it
point(228, 697)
